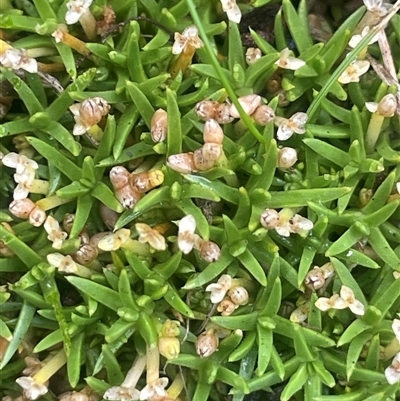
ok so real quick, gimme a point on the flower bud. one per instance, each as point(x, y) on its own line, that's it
point(269, 218)
point(85, 254)
point(315, 279)
point(222, 115)
point(182, 163)
point(159, 125)
point(170, 328)
point(263, 115)
point(207, 343)
point(119, 177)
point(227, 307)
point(200, 162)
point(211, 151)
point(249, 104)
point(213, 132)
point(37, 217)
point(387, 106)
point(239, 295)
point(252, 55)
point(287, 157)
point(169, 347)
point(21, 208)
point(210, 251)
point(92, 110)
point(144, 182)
point(108, 216)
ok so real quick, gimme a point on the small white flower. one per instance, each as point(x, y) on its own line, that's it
point(189, 37)
point(63, 263)
point(55, 234)
point(301, 225)
point(355, 306)
point(32, 389)
point(334, 302)
point(356, 39)
point(220, 288)
point(287, 127)
point(396, 329)
point(252, 55)
point(186, 237)
point(25, 181)
point(18, 162)
point(386, 107)
point(122, 393)
point(392, 372)
point(76, 8)
point(287, 62)
point(249, 103)
point(353, 72)
point(155, 390)
point(113, 241)
point(232, 10)
point(18, 59)
point(150, 236)
point(377, 7)
point(58, 35)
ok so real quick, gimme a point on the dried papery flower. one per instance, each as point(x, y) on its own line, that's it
point(150, 236)
point(33, 365)
point(227, 307)
point(315, 279)
point(263, 115)
point(211, 151)
point(18, 59)
point(32, 389)
point(392, 372)
point(239, 295)
point(287, 127)
point(232, 10)
point(252, 55)
point(107, 22)
point(127, 196)
point(377, 7)
point(21, 208)
point(213, 132)
point(269, 219)
point(113, 241)
point(207, 109)
point(169, 347)
point(353, 72)
point(220, 288)
point(19, 162)
point(209, 251)
point(55, 234)
point(187, 228)
point(202, 163)
point(287, 157)
point(155, 390)
point(287, 62)
point(182, 163)
point(222, 114)
point(249, 104)
point(189, 39)
point(334, 302)
point(88, 114)
point(301, 225)
point(86, 254)
point(207, 343)
point(37, 216)
point(159, 125)
point(4, 342)
point(96, 238)
point(144, 182)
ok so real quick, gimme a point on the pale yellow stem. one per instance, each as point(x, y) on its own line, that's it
point(88, 23)
point(39, 187)
point(373, 131)
point(51, 202)
point(391, 350)
point(153, 364)
point(75, 43)
point(183, 61)
point(136, 247)
point(135, 372)
point(176, 387)
point(40, 52)
point(51, 367)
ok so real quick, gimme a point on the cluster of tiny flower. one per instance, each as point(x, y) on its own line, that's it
point(285, 222)
point(168, 343)
point(228, 294)
point(346, 299)
point(188, 239)
point(129, 188)
point(88, 114)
